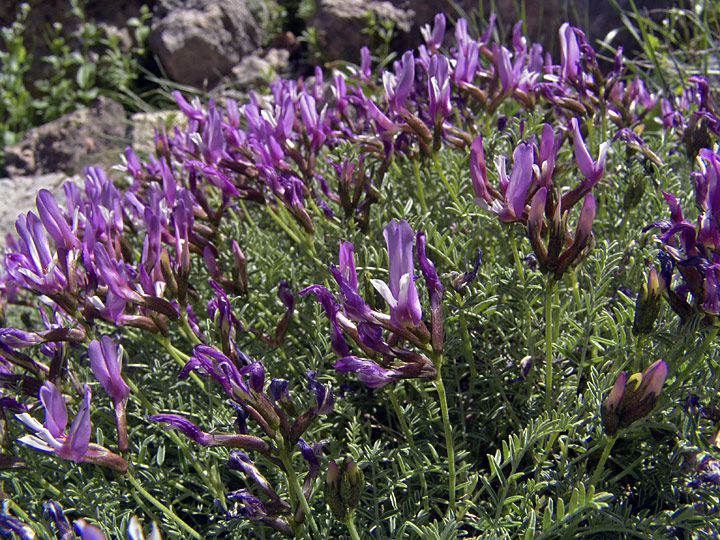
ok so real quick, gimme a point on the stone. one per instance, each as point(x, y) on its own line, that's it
point(258, 69)
point(19, 197)
point(198, 41)
point(143, 125)
point(338, 24)
point(71, 142)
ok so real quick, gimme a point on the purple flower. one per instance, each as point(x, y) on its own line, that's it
point(347, 264)
point(478, 171)
point(434, 38)
point(57, 515)
point(569, 53)
point(34, 267)
point(439, 89)
point(246, 505)
point(324, 399)
point(54, 222)
point(401, 294)
point(240, 461)
point(369, 373)
point(466, 55)
point(592, 170)
point(87, 531)
point(106, 364)
point(398, 88)
point(51, 436)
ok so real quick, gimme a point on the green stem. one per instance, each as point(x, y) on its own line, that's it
point(516, 255)
point(440, 387)
point(603, 458)
point(419, 184)
point(550, 286)
point(350, 522)
point(296, 493)
point(411, 442)
point(180, 357)
point(445, 182)
point(172, 516)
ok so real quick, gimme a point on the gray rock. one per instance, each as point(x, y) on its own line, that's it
point(143, 125)
point(259, 69)
point(74, 140)
point(19, 197)
point(201, 40)
point(338, 24)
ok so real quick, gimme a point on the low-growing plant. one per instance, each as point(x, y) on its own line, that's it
point(428, 302)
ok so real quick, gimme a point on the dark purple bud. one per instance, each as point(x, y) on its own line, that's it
point(256, 375)
point(323, 395)
point(278, 390)
point(57, 515)
point(478, 171)
point(240, 461)
point(246, 505)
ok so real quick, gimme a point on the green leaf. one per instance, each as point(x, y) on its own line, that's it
point(85, 76)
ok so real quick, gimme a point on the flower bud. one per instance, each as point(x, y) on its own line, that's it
point(632, 398)
point(343, 487)
point(647, 306)
point(332, 491)
point(353, 483)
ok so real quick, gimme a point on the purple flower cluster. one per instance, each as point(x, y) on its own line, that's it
point(692, 248)
point(384, 359)
point(529, 196)
point(271, 408)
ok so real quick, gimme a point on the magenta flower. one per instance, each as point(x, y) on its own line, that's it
point(401, 294)
point(569, 53)
point(592, 170)
point(51, 436)
point(106, 364)
point(370, 373)
point(434, 37)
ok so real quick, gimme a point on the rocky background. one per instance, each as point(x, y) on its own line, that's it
point(227, 47)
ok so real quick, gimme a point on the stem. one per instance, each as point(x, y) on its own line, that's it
point(548, 343)
point(164, 509)
point(411, 442)
point(296, 493)
point(350, 522)
point(420, 187)
point(603, 458)
point(181, 358)
point(440, 387)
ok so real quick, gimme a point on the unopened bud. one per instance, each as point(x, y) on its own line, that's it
point(332, 491)
point(632, 398)
point(647, 306)
point(352, 483)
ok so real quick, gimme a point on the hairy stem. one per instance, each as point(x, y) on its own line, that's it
point(549, 343)
point(442, 397)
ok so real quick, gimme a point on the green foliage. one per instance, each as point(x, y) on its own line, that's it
point(90, 62)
